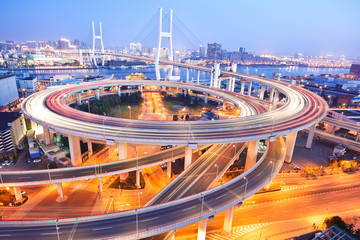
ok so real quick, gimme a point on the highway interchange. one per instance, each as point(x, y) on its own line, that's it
point(301, 110)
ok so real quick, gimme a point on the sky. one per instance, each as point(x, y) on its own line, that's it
point(312, 27)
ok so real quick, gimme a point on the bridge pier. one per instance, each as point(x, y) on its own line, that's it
point(276, 100)
point(229, 214)
point(187, 75)
point(168, 169)
point(290, 144)
point(188, 157)
point(60, 191)
point(97, 94)
point(249, 89)
point(230, 84)
point(141, 89)
point(271, 97)
point(100, 186)
point(119, 90)
point(17, 192)
point(224, 104)
point(47, 135)
point(198, 77)
point(202, 229)
point(251, 156)
point(122, 150)
point(205, 98)
point(242, 89)
point(310, 137)
point(262, 91)
point(75, 151)
point(138, 185)
point(90, 148)
point(357, 137)
point(79, 98)
point(163, 88)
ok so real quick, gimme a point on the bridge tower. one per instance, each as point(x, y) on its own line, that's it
point(93, 58)
point(167, 35)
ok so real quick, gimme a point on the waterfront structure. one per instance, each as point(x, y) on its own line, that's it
point(214, 51)
point(12, 131)
point(355, 70)
point(28, 85)
point(8, 90)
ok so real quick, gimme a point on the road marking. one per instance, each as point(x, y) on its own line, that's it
point(23, 177)
point(149, 219)
point(88, 171)
point(52, 233)
point(57, 175)
point(5, 235)
point(188, 208)
point(97, 229)
point(221, 196)
point(260, 173)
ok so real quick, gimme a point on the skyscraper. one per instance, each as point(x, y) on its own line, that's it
point(214, 51)
point(202, 51)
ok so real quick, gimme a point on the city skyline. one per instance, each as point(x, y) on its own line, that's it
point(324, 28)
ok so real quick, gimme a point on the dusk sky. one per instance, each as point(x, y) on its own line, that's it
point(312, 27)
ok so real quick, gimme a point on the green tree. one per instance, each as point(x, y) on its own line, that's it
point(335, 220)
point(175, 117)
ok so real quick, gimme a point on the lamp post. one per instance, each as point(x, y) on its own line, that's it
point(57, 229)
point(129, 107)
point(137, 224)
point(202, 204)
point(88, 102)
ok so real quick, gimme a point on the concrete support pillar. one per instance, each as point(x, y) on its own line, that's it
point(138, 185)
point(188, 157)
point(224, 104)
point(141, 89)
point(230, 85)
point(202, 229)
point(242, 87)
point(17, 193)
point(333, 130)
point(123, 150)
point(310, 137)
point(168, 169)
point(97, 93)
point(33, 125)
point(249, 89)
point(276, 100)
point(75, 151)
point(79, 98)
point(205, 98)
point(290, 144)
point(217, 81)
point(119, 90)
point(271, 97)
point(187, 75)
point(262, 91)
point(229, 213)
point(357, 137)
point(47, 135)
point(198, 77)
point(251, 155)
point(163, 88)
point(90, 149)
point(100, 186)
point(60, 191)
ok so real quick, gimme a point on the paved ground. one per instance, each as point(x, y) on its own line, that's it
point(316, 156)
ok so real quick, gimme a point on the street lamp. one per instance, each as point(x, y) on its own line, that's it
point(57, 229)
point(139, 193)
point(88, 102)
point(202, 204)
point(137, 224)
point(129, 107)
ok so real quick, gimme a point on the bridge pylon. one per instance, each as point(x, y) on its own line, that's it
point(167, 35)
point(93, 58)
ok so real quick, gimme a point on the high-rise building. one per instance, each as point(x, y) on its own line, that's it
point(8, 90)
point(242, 49)
point(12, 131)
point(32, 44)
point(28, 85)
point(202, 51)
point(355, 70)
point(64, 44)
point(214, 51)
